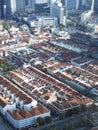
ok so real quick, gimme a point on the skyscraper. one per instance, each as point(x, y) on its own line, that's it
point(86, 4)
point(20, 6)
point(92, 6)
point(78, 4)
point(2, 2)
point(71, 4)
point(96, 6)
point(57, 10)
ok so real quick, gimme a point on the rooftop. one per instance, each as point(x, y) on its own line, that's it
point(23, 114)
point(41, 84)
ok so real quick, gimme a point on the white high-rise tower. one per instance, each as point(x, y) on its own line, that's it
point(66, 13)
point(85, 17)
point(4, 11)
point(92, 6)
point(57, 10)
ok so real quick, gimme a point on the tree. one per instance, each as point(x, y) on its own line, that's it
point(85, 120)
point(83, 107)
point(6, 66)
point(62, 27)
point(69, 112)
point(65, 126)
point(70, 127)
point(40, 121)
point(47, 119)
point(5, 25)
point(76, 110)
point(54, 128)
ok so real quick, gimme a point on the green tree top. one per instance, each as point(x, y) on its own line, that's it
point(5, 25)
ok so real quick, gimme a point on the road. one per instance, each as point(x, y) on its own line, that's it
point(4, 125)
point(73, 119)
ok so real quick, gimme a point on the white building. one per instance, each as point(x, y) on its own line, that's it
point(86, 16)
point(93, 27)
point(42, 21)
point(40, 1)
point(21, 119)
point(1, 26)
point(47, 20)
point(3, 53)
point(19, 108)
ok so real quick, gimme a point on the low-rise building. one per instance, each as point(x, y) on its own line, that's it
point(42, 21)
point(58, 96)
point(19, 108)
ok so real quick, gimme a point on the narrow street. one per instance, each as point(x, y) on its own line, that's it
point(58, 123)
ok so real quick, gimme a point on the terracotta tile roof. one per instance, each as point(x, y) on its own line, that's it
point(3, 103)
point(23, 114)
point(15, 90)
point(38, 87)
point(15, 115)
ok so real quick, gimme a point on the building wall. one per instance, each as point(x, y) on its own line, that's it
point(7, 107)
point(20, 123)
point(96, 6)
point(57, 11)
point(32, 104)
point(25, 122)
point(78, 4)
point(52, 21)
point(43, 21)
point(2, 8)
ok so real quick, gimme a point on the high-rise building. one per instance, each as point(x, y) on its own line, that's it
point(2, 3)
point(96, 6)
point(92, 6)
point(86, 4)
point(57, 10)
point(79, 4)
point(71, 4)
point(20, 6)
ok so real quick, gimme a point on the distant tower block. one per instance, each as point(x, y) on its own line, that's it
point(66, 13)
point(96, 6)
point(2, 3)
point(78, 4)
point(92, 6)
point(4, 11)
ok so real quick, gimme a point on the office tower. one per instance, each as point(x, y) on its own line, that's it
point(2, 3)
point(48, 2)
point(78, 4)
point(51, 2)
point(29, 5)
point(92, 6)
point(63, 2)
point(86, 16)
point(96, 6)
point(86, 4)
point(40, 1)
point(57, 10)
point(19, 6)
point(66, 13)
point(71, 4)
